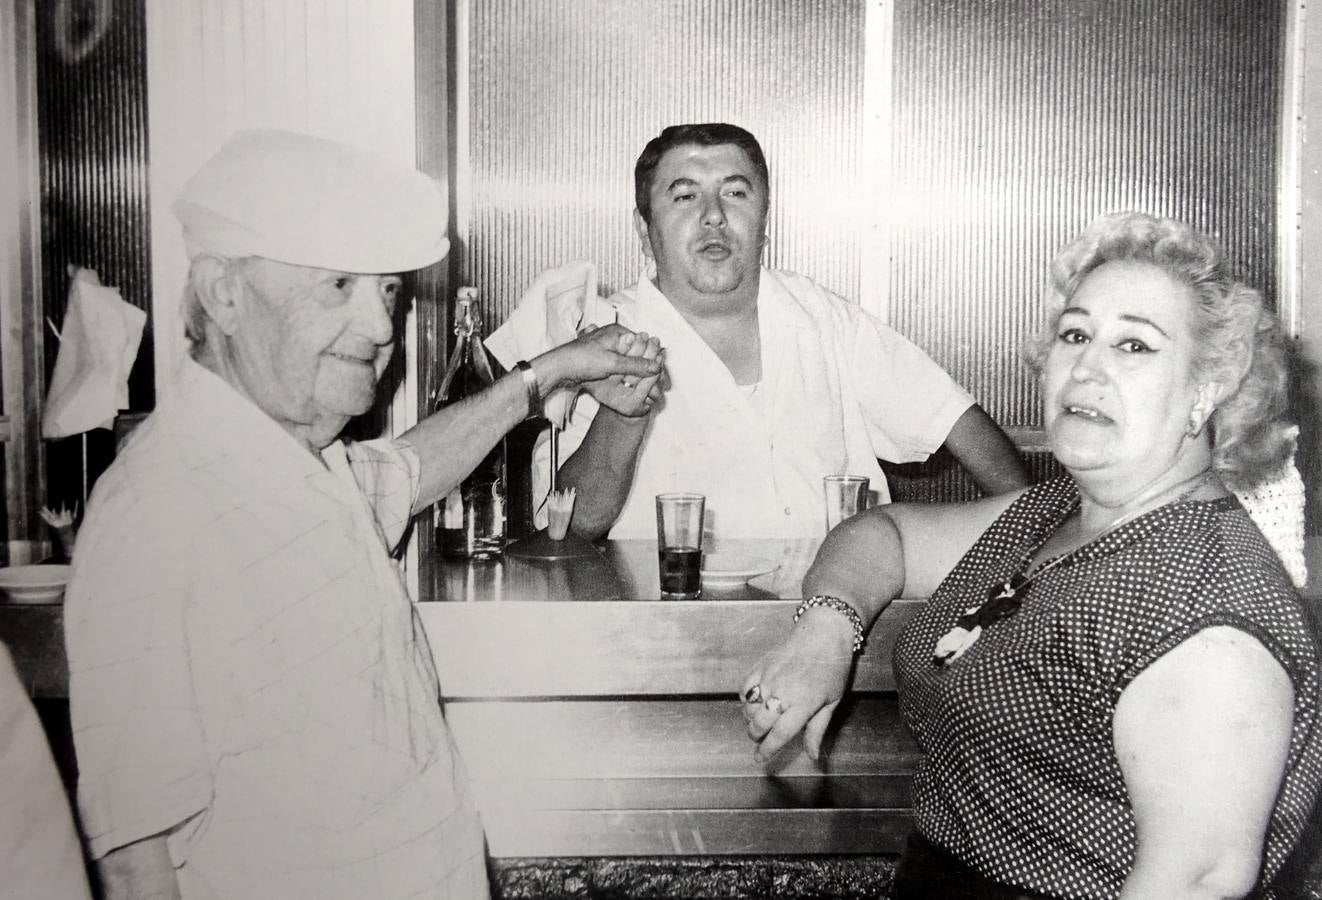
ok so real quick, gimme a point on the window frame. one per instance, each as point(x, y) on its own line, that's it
point(21, 340)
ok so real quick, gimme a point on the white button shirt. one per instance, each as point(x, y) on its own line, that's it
point(247, 673)
point(839, 389)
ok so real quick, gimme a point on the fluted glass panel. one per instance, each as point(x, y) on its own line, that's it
point(92, 127)
point(563, 96)
point(1019, 121)
point(92, 136)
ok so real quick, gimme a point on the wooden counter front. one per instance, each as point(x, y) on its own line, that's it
point(597, 719)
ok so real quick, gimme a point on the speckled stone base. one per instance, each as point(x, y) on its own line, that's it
point(617, 878)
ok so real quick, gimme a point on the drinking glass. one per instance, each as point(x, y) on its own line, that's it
point(679, 544)
point(845, 496)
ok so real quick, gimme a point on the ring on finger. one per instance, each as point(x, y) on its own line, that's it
point(753, 694)
point(774, 704)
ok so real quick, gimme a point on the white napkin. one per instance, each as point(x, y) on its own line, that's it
point(98, 343)
point(549, 314)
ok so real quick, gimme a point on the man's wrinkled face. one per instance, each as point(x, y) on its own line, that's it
point(311, 344)
point(708, 218)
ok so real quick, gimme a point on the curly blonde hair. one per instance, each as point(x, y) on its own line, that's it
point(1240, 343)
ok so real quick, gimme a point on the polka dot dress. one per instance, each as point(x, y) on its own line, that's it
point(1020, 780)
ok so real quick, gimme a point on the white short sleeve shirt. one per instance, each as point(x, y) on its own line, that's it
point(839, 390)
point(247, 673)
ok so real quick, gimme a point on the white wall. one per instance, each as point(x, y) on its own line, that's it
point(340, 69)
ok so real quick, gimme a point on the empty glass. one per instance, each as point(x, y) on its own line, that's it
point(845, 496)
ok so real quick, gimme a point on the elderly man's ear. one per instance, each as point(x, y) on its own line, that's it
point(220, 290)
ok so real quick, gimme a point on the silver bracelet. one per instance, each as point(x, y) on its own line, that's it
point(530, 385)
point(839, 606)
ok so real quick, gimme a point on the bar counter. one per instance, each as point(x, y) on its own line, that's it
point(598, 720)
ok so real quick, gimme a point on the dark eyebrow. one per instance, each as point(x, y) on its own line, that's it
point(681, 182)
point(687, 183)
point(1143, 320)
point(1127, 317)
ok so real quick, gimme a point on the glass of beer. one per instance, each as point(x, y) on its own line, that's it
point(679, 545)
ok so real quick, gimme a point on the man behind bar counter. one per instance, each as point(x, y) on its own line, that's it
point(254, 704)
point(773, 380)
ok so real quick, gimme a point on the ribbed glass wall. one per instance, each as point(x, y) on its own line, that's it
point(1011, 125)
point(1019, 121)
point(562, 97)
point(92, 135)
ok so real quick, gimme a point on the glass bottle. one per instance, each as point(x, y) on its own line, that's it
point(470, 521)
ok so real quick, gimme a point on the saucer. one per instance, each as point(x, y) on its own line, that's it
point(732, 569)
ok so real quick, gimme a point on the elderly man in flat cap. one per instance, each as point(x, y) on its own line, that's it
point(254, 704)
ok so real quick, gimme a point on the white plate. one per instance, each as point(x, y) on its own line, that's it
point(33, 584)
point(732, 569)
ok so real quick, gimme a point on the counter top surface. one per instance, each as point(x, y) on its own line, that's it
point(622, 571)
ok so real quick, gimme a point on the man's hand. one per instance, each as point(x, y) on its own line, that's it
point(626, 394)
point(597, 355)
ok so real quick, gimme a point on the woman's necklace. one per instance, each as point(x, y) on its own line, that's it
point(1006, 597)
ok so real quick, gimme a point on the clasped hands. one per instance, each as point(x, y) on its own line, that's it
point(630, 389)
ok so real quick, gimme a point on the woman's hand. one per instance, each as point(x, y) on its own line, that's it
point(797, 686)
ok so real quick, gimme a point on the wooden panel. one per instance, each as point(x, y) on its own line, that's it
point(613, 650)
point(731, 792)
point(535, 649)
point(506, 742)
point(702, 832)
point(674, 777)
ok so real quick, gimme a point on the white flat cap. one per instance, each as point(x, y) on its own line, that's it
point(306, 200)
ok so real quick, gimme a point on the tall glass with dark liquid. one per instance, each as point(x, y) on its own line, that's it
point(679, 545)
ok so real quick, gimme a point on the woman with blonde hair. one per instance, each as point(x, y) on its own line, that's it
point(1115, 684)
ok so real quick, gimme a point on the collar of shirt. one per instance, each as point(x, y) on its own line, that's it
point(223, 419)
point(779, 317)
